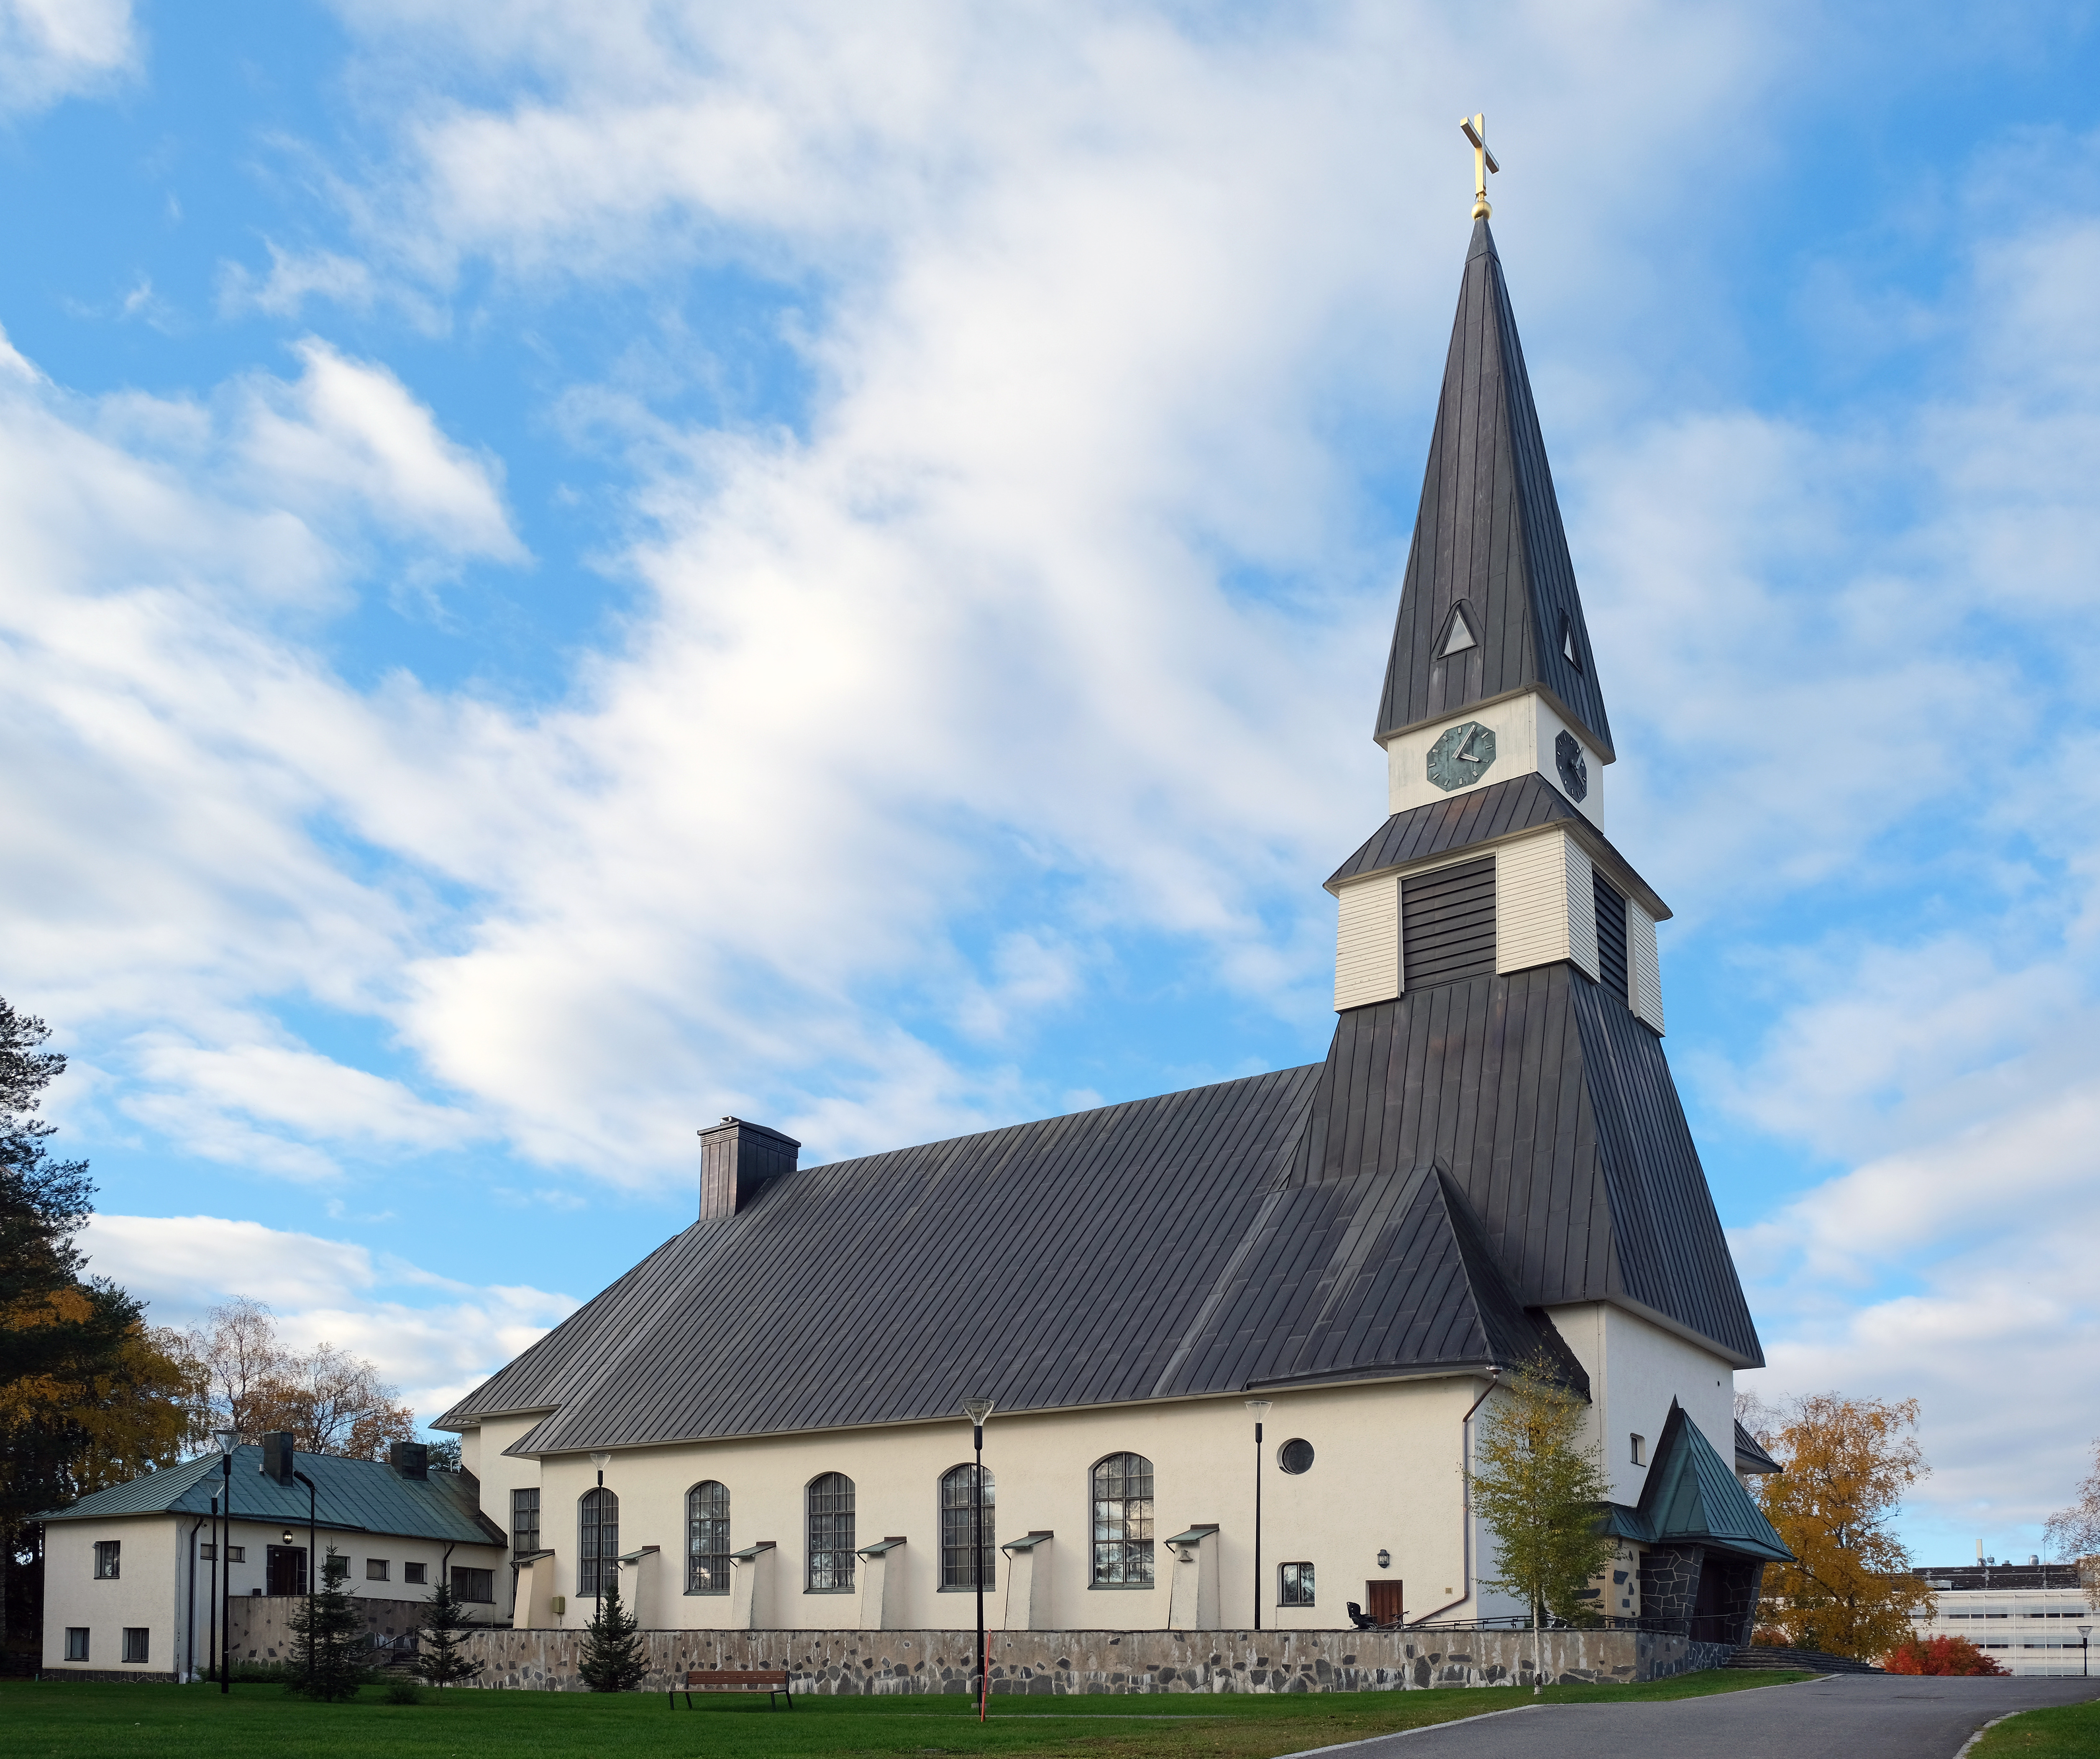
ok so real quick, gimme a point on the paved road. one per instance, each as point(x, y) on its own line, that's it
point(1847, 1717)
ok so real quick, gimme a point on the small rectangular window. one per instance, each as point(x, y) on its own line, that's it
point(1639, 1450)
point(524, 1522)
point(107, 1555)
point(76, 1642)
point(478, 1586)
point(236, 1553)
point(413, 1572)
point(375, 1569)
point(135, 1640)
point(1293, 1585)
point(334, 1570)
point(208, 1552)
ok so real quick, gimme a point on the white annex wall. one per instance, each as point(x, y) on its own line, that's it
point(1386, 1475)
point(154, 1590)
point(1635, 1369)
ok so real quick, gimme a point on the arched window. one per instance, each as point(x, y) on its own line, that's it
point(707, 1539)
point(830, 1499)
point(597, 1541)
point(958, 1521)
point(1122, 1521)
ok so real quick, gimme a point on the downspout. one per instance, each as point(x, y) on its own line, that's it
point(189, 1631)
point(1466, 1501)
point(445, 1564)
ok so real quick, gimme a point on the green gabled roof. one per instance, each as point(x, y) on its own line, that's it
point(1692, 1497)
point(350, 1496)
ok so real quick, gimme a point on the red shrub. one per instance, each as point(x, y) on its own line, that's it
point(1940, 1655)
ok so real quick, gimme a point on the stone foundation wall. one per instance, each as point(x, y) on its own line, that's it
point(262, 1624)
point(1057, 1663)
point(142, 1676)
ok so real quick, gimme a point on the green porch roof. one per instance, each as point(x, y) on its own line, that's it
point(1691, 1497)
point(351, 1496)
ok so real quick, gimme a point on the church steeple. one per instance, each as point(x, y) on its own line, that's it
point(1489, 607)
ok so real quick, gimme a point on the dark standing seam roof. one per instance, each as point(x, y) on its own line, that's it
point(1750, 1455)
point(1489, 532)
point(1504, 808)
point(1554, 1109)
point(357, 1495)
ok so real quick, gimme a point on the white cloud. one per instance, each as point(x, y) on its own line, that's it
point(435, 1337)
point(293, 278)
point(51, 50)
point(349, 429)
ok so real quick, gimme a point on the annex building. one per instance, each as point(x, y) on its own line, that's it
point(760, 1423)
point(2033, 1617)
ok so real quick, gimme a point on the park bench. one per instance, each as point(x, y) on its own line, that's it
point(773, 1682)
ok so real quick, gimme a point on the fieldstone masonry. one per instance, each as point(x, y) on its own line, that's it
point(1058, 1663)
point(262, 1624)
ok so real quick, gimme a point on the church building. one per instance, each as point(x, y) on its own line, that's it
point(761, 1425)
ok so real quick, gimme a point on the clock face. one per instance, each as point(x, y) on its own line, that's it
point(1574, 771)
point(1461, 756)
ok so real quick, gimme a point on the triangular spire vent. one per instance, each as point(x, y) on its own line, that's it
point(1567, 642)
point(1457, 634)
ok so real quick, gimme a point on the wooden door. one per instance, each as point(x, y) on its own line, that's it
point(1382, 1600)
point(287, 1567)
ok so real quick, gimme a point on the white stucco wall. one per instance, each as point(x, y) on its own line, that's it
point(154, 1590)
point(145, 1593)
point(1635, 1367)
point(1385, 1476)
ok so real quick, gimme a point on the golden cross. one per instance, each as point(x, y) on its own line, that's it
point(1484, 161)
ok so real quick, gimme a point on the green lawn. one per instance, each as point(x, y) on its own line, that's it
point(2069, 1731)
point(72, 1720)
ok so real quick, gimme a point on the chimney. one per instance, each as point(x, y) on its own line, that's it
point(410, 1459)
point(736, 1158)
point(277, 1462)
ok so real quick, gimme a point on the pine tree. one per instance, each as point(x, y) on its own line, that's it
point(439, 1662)
point(325, 1660)
point(1541, 1490)
point(612, 1660)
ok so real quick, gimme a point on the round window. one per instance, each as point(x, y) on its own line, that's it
point(1295, 1455)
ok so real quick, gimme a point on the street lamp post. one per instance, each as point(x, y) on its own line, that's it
point(227, 1440)
point(978, 1410)
point(2085, 1651)
point(1260, 1406)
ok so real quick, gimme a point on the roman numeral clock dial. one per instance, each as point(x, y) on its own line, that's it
point(1462, 756)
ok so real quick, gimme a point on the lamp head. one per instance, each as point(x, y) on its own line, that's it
point(2084, 1630)
point(601, 1460)
point(288, 1536)
point(227, 1440)
point(977, 1410)
point(1385, 1560)
point(1260, 1406)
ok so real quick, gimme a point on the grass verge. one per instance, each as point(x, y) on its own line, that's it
point(83, 1720)
point(2066, 1731)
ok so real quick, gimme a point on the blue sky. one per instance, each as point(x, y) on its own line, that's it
point(571, 572)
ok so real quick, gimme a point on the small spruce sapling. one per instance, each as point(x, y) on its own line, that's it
point(326, 1664)
point(612, 1660)
point(441, 1660)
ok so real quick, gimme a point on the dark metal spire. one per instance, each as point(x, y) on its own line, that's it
point(1489, 604)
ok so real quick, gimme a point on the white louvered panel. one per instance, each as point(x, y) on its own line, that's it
point(1531, 902)
point(1367, 943)
point(1581, 909)
point(1643, 966)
